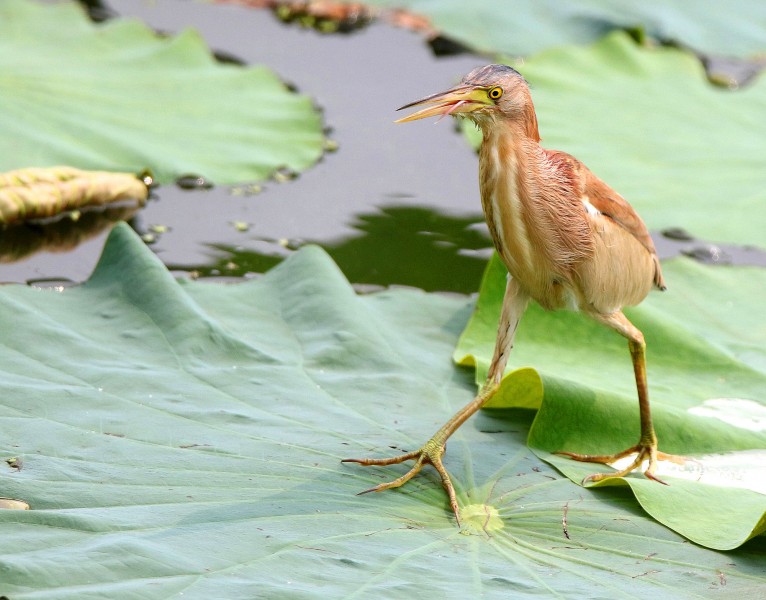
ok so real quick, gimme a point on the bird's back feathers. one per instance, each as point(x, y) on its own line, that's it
point(611, 204)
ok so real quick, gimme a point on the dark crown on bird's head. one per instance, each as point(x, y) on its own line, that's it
point(491, 74)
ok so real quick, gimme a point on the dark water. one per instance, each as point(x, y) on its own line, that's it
point(395, 204)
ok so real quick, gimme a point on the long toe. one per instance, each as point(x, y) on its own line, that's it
point(396, 482)
point(383, 462)
point(604, 459)
point(643, 453)
point(431, 453)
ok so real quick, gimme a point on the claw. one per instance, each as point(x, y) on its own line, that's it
point(653, 477)
point(431, 454)
point(399, 481)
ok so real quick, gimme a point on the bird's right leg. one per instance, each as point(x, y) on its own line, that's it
point(514, 303)
point(646, 448)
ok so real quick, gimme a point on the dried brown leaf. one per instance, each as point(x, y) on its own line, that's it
point(40, 193)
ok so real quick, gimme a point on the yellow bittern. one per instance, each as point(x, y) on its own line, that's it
point(567, 239)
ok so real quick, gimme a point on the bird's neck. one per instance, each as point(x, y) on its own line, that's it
point(520, 125)
point(510, 166)
point(508, 163)
point(503, 168)
point(531, 204)
point(526, 125)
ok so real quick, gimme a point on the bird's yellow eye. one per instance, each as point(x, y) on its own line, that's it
point(495, 93)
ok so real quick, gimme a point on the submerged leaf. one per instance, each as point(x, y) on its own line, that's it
point(118, 96)
point(28, 194)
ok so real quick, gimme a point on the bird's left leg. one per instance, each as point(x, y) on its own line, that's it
point(646, 448)
point(514, 303)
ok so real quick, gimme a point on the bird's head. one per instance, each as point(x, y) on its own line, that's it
point(486, 95)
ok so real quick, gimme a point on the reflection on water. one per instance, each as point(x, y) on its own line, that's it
point(61, 235)
point(400, 245)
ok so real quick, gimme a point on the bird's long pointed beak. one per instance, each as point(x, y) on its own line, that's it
point(460, 99)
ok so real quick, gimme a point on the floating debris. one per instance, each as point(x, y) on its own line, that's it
point(337, 16)
point(148, 178)
point(284, 174)
point(193, 182)
point(250, 189)
point(677, 233)
point(708, 254)
point(324, 16)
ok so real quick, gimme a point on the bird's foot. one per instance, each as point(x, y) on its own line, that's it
point(643, 451)
point(430, 454)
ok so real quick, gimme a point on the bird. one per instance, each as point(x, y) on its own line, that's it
point(567, 239)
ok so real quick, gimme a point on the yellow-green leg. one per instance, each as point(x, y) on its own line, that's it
point(514, 303)
point(646, 448)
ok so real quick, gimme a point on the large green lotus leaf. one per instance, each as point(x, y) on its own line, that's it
point(184, 439)
point(647, 122)
point(707, 380)
point(119, 97)
point(523, 27)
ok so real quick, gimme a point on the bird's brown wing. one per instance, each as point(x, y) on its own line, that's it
point(609, 203)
